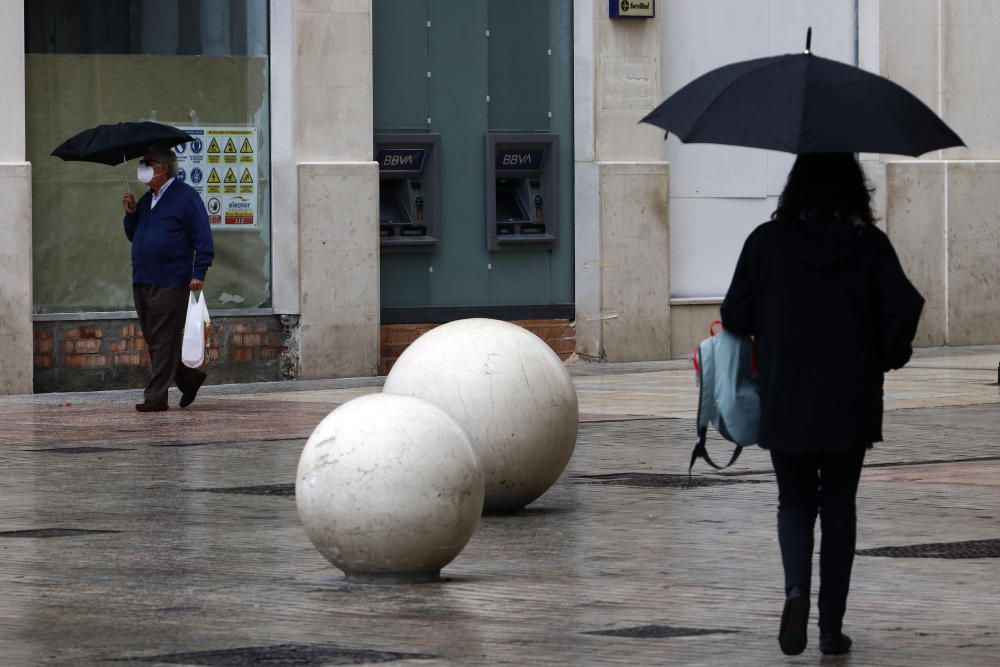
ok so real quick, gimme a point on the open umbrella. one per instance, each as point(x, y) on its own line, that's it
point(801, 103)
point(118, 143)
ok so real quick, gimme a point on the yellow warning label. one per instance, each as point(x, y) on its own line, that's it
point(246, 189)
point(246, 177)
point(230, 177)
point(213, 177)
point(214, 146)
point(246, 148)
point(230, 146)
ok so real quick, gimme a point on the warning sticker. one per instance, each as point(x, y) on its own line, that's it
point(230, 175)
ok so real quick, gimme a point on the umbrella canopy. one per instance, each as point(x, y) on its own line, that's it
point(112, 144)
point(801, 103)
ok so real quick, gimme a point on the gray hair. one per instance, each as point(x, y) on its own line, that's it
point(166, 156)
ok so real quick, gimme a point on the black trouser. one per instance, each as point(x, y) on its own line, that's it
point(828, 485)
point(162, 311)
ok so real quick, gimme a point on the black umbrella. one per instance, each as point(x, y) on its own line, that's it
point(121, 142)
point(801, 103)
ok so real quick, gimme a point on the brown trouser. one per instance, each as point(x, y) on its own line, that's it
point(162, 311)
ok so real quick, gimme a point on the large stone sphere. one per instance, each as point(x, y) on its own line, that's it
point(508, 390)
point(389, 488)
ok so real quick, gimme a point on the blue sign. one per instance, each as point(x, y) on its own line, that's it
point(196, 146)
point(180, 148)
point(196, 175)
point(400, 159)
point(181, 176)
point(519, 159)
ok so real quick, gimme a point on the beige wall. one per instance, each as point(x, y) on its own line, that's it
point(337, 188)
point(941, 210)
point(944, 220)
point(689, 322)
point(622, 218)
point(16, 349)
point(15, 215)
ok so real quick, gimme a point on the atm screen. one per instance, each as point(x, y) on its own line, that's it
point(509, 208)
point(389, 210)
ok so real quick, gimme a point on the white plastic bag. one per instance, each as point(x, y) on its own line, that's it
point(195, 332)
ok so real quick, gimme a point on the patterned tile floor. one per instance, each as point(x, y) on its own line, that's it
point(110, 554)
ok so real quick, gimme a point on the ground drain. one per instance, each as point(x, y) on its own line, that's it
point(650, 480)
point(282, 655)
point(53, 532)
point(80, 450)
point(285, 490)
point(658, 632)
point(969, 549)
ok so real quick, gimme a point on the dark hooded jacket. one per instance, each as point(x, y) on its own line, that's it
point(831, 311)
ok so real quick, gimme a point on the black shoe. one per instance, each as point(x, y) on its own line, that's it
point(834, 643)
point(187, 398)
point(152, 406)
point(794, 620)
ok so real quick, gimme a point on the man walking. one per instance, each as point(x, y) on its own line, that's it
point(171, 251)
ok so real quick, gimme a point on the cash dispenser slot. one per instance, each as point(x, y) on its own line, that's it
point(409, 182)
point(521, 184)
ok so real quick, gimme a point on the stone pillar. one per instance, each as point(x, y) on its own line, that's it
point(622, 225)
point(941, 210)
point(16, 350)
point(337, 188)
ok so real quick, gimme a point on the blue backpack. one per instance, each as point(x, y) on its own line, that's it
point(728, 399)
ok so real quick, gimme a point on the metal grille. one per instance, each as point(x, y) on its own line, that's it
point(54, 532)
point(654, 481)
point(281, 655)
point(284, 490)
point(659, 632)
point(969, 549)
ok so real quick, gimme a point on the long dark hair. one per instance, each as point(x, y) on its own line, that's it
point(825, 183)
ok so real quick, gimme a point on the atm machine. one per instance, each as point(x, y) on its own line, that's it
point(409, 185)
point(522, 190)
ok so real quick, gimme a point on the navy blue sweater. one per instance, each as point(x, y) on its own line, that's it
point(171, 243)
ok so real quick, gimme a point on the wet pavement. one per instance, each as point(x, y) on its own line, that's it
point(172, 538)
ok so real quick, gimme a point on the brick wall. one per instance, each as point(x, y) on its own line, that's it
point(112, 354)
point(559, 334)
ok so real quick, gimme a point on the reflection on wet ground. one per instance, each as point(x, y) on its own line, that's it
point(171, 538)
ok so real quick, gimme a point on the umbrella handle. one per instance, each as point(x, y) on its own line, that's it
point(128, 188)
point(809, 40)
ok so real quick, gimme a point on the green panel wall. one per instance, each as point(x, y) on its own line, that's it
point(495, 65)
point(400, 48)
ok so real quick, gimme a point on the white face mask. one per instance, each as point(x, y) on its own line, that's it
point(145, 173)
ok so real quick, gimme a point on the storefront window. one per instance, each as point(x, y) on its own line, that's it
point(201, 65)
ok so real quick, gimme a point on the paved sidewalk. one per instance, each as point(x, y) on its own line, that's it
point(141, 549)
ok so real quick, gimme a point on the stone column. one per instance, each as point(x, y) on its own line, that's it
point(622, 225)
point(16, 350)
point(941, 210)
point(337, 188)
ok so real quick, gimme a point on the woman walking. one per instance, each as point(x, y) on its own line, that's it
point(821, 290)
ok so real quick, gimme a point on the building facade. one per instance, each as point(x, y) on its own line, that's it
point(373, 168)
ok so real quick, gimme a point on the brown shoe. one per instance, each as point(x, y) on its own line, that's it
point(152, 406)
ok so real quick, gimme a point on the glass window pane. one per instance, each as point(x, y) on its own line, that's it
point(201, 65)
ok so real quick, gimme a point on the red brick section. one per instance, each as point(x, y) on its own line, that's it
point(559, 334)
point(117, 345)
point(82, 347)
point(43, 348)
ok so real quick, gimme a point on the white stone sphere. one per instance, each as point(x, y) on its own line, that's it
point(388, 487)
point(508, 390)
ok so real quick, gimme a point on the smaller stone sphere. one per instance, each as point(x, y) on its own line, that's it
point(389, 488)
point(508, 390)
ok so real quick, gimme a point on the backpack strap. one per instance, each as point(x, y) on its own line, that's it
point(701, 452)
